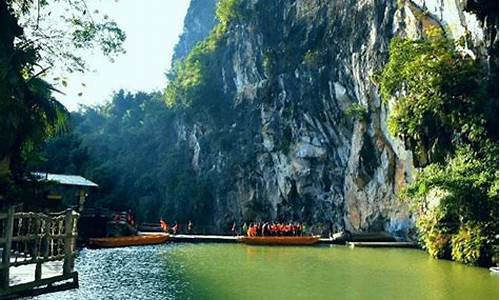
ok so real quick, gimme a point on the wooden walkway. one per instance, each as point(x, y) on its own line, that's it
point(185, 238)
point(37, 253)
point(329, 241)
point(196, 238)
point(383, 244)
point(24, 274)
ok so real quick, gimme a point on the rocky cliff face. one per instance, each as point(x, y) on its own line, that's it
point(199, 21)
point(284, 141)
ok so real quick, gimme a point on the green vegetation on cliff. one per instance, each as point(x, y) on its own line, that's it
point(447, 119)
point(269, 81)
point(357, 111)
point(141, 151)
point(189, 78)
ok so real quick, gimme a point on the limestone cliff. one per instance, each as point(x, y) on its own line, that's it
point(279, 140)
point(199, 21)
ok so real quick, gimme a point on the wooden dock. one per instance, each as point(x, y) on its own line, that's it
point(185, 238)
point(32, 243)
point(330, 241)
point(197, 238)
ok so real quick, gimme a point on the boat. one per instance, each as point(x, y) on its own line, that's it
point(124, 241)
point(279, 240)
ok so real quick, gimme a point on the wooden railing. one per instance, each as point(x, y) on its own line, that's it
point(36, 238)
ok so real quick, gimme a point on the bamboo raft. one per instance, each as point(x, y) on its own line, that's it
point(125, 241)
point(279, 240)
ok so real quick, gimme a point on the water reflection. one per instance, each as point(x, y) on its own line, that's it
point(215, 271)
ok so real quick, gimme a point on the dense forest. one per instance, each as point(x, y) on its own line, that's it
point(31, 47)
point(129, 146)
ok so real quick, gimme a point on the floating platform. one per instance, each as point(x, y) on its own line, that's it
point(383, 244)
point(331, 241)
point(280, 240)
point(193, 238)
point(368, 242)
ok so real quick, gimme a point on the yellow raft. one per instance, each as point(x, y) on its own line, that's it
point(279, 240)
point(125, 241)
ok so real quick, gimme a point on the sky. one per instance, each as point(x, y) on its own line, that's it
point(153, 28)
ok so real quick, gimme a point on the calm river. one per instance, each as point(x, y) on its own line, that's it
point(233, 271)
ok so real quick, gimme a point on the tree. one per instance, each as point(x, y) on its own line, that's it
point(446, 117)
point(29, 46)
point(440, 99)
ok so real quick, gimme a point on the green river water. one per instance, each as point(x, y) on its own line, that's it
point(234, 271)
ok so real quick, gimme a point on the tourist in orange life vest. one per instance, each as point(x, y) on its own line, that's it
point(281, 229)
point(254, 230)
point(249, 230)
point(275, 229)
point(163, 225)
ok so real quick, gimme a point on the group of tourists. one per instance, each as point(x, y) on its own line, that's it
point(274, 229)
point(176, 228)
point(254, 229)
point(124, 217)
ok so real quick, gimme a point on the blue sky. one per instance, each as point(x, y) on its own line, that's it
point(153, 28)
